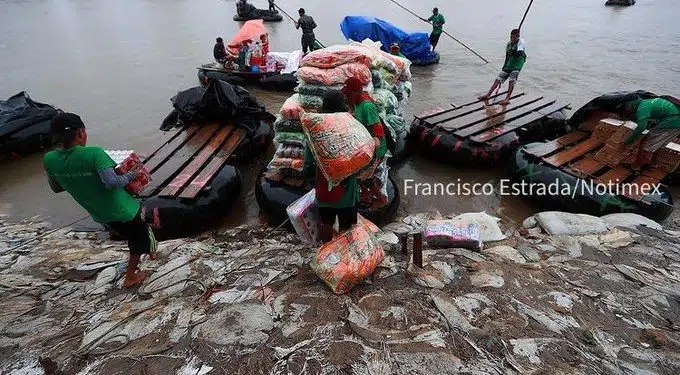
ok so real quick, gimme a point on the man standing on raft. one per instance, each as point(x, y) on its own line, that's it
point(515, 56)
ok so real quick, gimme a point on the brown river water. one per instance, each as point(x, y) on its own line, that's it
point(117, 64)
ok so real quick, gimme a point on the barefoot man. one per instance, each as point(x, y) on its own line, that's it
point(515, 56)
point(88, 174)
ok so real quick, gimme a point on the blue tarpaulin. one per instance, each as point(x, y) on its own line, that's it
point(415, 46)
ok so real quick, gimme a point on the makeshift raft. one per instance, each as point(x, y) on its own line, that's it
point(274, 81)
point(194, 180)
point(24, 126)
point(573, 160)
point(476, 133)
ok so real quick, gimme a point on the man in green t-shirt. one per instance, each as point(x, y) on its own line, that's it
point(366, 112)
point(88, 174)
point(437, 20)
point(515, 56)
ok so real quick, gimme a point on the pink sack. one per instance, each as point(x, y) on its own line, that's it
point(335, 76)
point(292, 108)
point(335, 56)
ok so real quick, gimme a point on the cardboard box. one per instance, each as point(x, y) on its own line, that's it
point(668, 157)
point(127, 160)
point(606, 128)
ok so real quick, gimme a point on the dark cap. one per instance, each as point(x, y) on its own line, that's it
point(64, 122)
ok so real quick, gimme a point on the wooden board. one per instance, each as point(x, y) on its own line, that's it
point(616, 175)
point(203, 178)
point(177, 134)
point(163, 153)
point(471, 115)
point(490, 116)
point(428, 115)
point(556, 144)
point(573, 153)
point(193, 168)
point(179, 158)
point(519, 119)
point(587, 167)
point(642, 182)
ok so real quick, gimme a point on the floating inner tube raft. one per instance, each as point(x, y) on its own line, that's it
point(24, 126)
point(619, 2)
point(194, 180)
point(269, 17)
point(433, 59)
point(527, 167)
point(274, 197)
point(475, 133)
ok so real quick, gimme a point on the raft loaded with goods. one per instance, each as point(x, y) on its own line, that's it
point(594, 155)
point(270, 70)
point(24, 126)
point(194, 175)
point(246, 12)
point(386, 78)
point(415, 46)
point(479, 133)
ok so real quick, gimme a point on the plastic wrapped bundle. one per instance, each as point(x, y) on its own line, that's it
point(349, 258)
point(396, 123)
point(404, 89)
point(340, 144)
point(313, 102)
point(316, 90)
point(292, 108)
point(282, 125)
point(400, 63)
point(290, 151)
point(291, 166)
point(447, 233)
point(290, 138)
point(385, 101)
point(377, 79)
point(334, 56)
point(304, 215)
point(335, 76)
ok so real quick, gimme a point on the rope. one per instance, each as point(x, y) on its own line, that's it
point(444, 31)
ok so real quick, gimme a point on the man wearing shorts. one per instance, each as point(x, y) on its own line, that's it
point(437, 21)
point(515, 56)
point(307, 24)
point(88, 174)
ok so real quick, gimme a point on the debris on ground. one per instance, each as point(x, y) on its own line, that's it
point(553, 296)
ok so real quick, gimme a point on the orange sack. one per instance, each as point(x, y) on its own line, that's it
point(335, 76)
point(292, 108)
point(341, 145)
point(349, 258)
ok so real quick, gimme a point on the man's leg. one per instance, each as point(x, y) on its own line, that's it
point(434, 40)
point(327, 216)
point(494, 85)
point(304, 45)
point(347, 217)
point(511, 86)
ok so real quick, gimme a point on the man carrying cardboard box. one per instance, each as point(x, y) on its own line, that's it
point(88, 174)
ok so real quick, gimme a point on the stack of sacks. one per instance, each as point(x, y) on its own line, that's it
point(386, 78)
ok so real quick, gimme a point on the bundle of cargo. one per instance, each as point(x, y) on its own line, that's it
point(385, 78)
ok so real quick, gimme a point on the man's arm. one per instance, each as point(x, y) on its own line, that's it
point(297, 23)
point(642, 115)
point(112, 180)
point(313, 24)
point(54, 185)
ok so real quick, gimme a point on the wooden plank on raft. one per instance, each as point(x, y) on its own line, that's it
point(177, 134)
point(502, 93)
point(429, 115)
point(179, 159)
point(573, 153)
point(195, 187)
point(586, 167)
point(518, 120)
point(556, 144)
point(616, 175)
point(640, 187)
point(657, 173)
point(192, 168)
point(475, 114)
point(490, 117)
point(163, 153)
